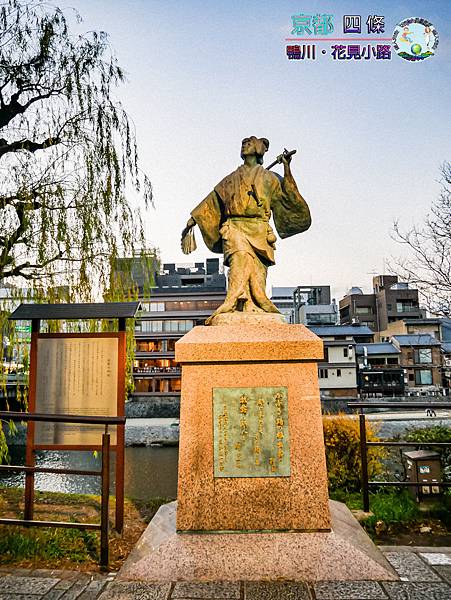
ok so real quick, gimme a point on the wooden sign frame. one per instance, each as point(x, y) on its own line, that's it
point(119, 447)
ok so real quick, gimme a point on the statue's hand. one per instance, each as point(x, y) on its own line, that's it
point(188, 242)
point(190, 224)
point(286, 159)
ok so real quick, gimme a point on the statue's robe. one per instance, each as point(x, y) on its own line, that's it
point(235, 215)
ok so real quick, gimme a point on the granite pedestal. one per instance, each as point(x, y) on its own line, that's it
point(235, 521)
point(345, 553)
point(263, 356)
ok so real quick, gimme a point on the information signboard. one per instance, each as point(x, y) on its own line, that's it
point(75, 376)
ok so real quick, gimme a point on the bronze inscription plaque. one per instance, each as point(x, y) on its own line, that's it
point(250, 432)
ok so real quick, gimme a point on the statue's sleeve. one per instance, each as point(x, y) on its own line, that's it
point(208, 215)
point(290, 211)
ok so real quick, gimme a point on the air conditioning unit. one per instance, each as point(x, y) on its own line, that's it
point(448, 362)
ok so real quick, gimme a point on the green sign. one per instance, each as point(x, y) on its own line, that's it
point(250, 432)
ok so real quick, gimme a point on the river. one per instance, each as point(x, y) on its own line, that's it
point(149, 471)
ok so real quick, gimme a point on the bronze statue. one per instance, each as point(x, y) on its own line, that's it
point(234, 221)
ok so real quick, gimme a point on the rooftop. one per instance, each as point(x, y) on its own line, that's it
point(320, 308)
point(282, 292)
point(423, 339)
point(94, 310)
point(378, 348)
point(327, 330)
point(429, 321)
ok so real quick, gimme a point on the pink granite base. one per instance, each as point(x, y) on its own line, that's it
point(343, 554)
point(250, 356)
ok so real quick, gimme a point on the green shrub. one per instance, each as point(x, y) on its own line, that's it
point(342, 441)
point(392, 507)
point(46, 544)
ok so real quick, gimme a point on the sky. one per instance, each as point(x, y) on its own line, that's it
point(370, 135)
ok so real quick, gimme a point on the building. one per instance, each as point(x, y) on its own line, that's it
point(137, 273)
point(394, 300)
point(379, 371)
point(183, 297)
point(313, 306)
point(420, 356)
point(390, 301)
point(282, 298)
point(439, 327)
point(337, 373)
point(446, 368)
point(357, 307)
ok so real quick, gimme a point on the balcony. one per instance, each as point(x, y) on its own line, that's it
point(157, 370)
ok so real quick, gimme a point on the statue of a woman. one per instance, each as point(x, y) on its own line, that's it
point(234, 221)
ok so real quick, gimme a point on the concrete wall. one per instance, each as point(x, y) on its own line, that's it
point(153, 407)
point(337, 405)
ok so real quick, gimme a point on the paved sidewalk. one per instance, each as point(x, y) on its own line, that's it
point(34, 584)
point(425, 574)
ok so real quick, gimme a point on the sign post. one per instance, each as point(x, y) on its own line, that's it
point(76, 374)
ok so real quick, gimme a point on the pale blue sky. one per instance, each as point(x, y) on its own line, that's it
point(370, 135)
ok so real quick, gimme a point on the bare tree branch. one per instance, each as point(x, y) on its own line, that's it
point(428, 265)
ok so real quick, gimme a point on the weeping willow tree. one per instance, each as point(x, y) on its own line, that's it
point(68, 159)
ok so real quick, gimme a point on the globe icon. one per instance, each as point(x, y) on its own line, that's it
point(415, 48)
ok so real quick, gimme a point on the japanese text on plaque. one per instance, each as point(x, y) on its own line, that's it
point(250, 430)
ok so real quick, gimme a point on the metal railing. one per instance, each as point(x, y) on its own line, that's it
point(104, 474)
point(364, 444)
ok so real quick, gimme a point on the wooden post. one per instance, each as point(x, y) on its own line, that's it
point(120, 433)
point(29, 452)
point(105, 499)
point(364, 460)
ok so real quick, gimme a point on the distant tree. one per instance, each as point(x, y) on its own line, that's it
point(428, 265)
point(68, 156)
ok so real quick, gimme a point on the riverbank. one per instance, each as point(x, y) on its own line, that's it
point(59, 548)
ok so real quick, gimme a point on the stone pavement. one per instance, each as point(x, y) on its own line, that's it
point(425, 574)
point(34, 584)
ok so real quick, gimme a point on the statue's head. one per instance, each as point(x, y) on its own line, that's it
point(252, 145)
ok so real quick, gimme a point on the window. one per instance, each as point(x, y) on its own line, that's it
point(326, 354)
point(423, 355)
point(179, 326)
point(363, 310)
point(181, 305)
point(423, 377)
point(156, 306)
point(161, 385)
point(323, 373)
point(175, 385)
point(338, 372)
point(411, 377)
point(405, 306)
point(344, 312)
point(171, 345)
point(150, 326)
point(376, 362)
point(143, 385)
point(392, 360)
point(152, 365)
